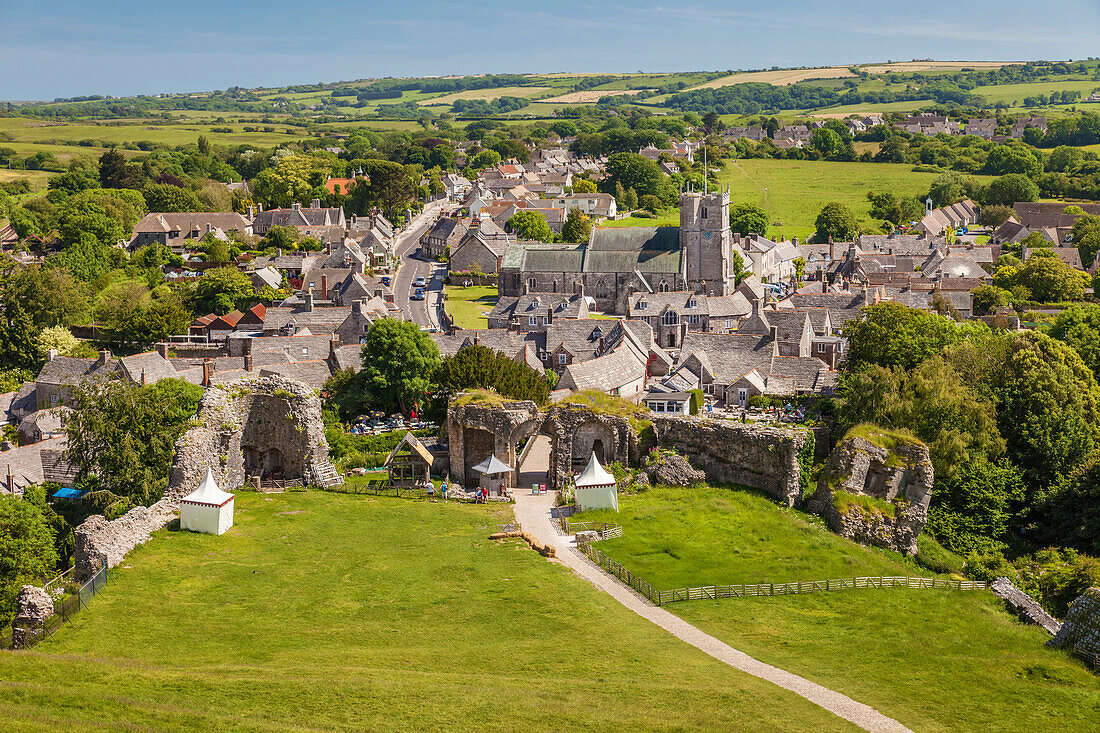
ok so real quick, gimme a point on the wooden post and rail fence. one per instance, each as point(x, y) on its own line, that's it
point(662, 597)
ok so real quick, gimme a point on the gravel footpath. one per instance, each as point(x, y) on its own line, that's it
point(533, 514)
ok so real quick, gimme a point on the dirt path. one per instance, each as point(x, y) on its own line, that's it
point(533, 514)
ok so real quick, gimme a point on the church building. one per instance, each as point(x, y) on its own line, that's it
point(617, 262)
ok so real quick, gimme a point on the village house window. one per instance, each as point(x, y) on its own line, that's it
point(642, 305)
point(671, 407)
point(729, 323)
point(694, 319)
point(671, 318)
point(533, 320)
point(821, 348)
point(693, 303)
point(305, 352)
point(561, 358)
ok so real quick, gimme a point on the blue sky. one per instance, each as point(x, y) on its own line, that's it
point(60, 48)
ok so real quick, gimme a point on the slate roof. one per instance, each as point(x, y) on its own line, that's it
point(154, 366)
point(605, 373)
point(70, 371)
point(299, 217)
point(842, 306)
point(314, 372)
point(715, 306)
point(734, 355)
point(542, 305)
point(1070, 255)
point(35, 463)
point(162, 223)
point(531, 257)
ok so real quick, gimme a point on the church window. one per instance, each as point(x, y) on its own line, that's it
point(671, 318)
point(703, 213)
point(601, 289)
point(532, 283)
point(662, 287)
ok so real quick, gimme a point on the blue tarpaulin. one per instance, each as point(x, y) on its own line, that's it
point(68, 494)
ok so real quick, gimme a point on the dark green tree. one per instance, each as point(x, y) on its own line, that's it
point(748, 219)
point(530, 225)
point(398, 363)
point(836, 222)
point(577, 227)
point(480, 367)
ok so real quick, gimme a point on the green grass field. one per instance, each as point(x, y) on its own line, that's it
point(1017, 92)
point(469, 306)
point(794, 191)
point(331, 612)
point(934, 660)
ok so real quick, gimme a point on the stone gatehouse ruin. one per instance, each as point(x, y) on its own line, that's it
point(478, 429)
point(726, 451)
point(265, 427)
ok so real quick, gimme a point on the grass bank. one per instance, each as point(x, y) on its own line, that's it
point(934, 660)
point(332, 612)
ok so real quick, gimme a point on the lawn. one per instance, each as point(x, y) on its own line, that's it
point(468, 307)
point(331, 612)
point(934, 660)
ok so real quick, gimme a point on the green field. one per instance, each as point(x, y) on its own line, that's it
point(333, 612)
point(934, 660)
point(1017, 92)
point(794, 191)
point(469, 306)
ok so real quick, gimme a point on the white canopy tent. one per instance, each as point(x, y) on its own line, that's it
point(596, 488)
point(207, 509)
point(494, 474)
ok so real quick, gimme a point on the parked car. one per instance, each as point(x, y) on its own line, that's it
point(386, 280)
point(419, 282)
point(418, 295)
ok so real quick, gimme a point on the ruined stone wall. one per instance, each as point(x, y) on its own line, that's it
point(897, 480)
point(1080, 631)
point(97, 537)
point(265, 416)
point(573, 431)
point(1024, 605)
point(732, 452)
point(33, 606)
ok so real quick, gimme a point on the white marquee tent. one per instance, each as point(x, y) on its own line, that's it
point(207, 509)
point(596, 488)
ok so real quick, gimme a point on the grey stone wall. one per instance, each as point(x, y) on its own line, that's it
point(475, 429)
point(732, 452)
point(1081, 629)
point(33, 606)
point(271, 418)
point(1024, 605)
point(97, 537)
point(901, 476)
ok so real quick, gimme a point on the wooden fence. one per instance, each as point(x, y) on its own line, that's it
point(605, 531)
point(661, 597)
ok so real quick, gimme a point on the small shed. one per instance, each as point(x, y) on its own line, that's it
point(207, 509)
point(409, 464)
point(596, 488)
point(494, 474)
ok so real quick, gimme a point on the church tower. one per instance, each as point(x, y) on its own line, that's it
point(706, 241)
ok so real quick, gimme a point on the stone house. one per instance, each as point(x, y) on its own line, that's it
point(479, 252)
point(936, 221)
point(444, 236)
point(309, 220)
point(673, 314)
point(181, 230)
point(534, 312)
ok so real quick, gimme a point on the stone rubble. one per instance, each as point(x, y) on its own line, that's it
point(672, 469)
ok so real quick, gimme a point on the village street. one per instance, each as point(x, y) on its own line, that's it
point(421, 312)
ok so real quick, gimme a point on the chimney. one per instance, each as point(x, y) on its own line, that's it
point(356, 306)
point(526, 287)
point(162, 349)
point(328, 247)
point(251, 212)
point(295, 206)
point(315, 204)
point(333, 345)
point(794, 241)
point(279, 251)
point(830, 239)
point(248, 355)
point(144, 379)
point(207, 372)
point(51, 354)
point(259, 208)
point(104, 357)
point(477, 338)
point(324, 286)
point(309, 301)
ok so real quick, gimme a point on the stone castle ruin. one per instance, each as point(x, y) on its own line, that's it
point(267, 427)
point(478, 429)
point(725, 451)
point(876, 489)
point(258, 427)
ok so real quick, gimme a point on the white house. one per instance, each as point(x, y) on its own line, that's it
point(207, 509)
